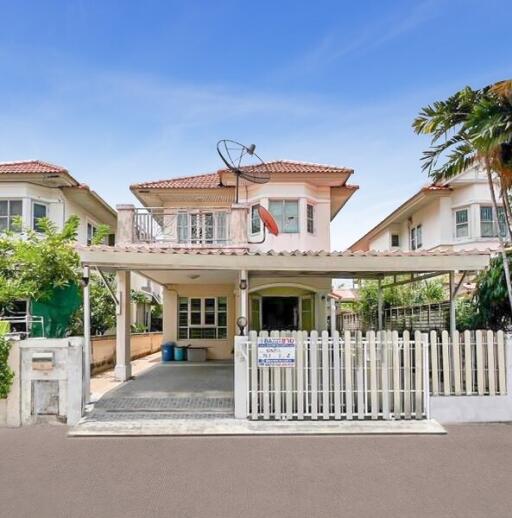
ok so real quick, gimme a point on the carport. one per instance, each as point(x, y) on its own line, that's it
point(245, 268)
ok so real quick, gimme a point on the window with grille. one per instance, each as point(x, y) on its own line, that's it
point(395, 240)
point(10, 211)
point(200, 228)
point(202, 318)
point(311, 218)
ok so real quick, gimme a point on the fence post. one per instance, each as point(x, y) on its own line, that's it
point(508, 360)
point(241, 387)
point(426, 371)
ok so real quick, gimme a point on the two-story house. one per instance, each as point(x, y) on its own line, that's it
point(33, 189)
point(455, 214)
point(198, 213)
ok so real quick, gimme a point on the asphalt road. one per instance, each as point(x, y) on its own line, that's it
point(467, 473)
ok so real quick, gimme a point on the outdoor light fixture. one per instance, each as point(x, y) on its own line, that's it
point(241, 322)
point(243, 284)
point(84, 281)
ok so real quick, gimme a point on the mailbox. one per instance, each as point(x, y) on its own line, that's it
point(42, 361)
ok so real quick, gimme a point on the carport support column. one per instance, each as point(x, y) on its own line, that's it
point(243, 286)
point(123, 369)
point(87, 336)
point(453, 320)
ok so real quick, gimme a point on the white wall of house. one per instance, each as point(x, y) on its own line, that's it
point(318, 197)
point(437, 217)
point(59, 207)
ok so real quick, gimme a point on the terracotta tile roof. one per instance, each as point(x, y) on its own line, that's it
point(213, 180)
point(30, 166)
point(202, 181)
point(162, 249)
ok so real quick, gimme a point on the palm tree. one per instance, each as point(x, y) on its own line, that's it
point(473, 127)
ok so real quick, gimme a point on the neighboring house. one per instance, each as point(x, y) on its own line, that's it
point(199, 213)
point(33, 189)
point(455, 214)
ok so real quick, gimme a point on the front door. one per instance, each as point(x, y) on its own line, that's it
point(280, 313)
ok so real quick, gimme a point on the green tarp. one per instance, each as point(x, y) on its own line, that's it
point(56, 311)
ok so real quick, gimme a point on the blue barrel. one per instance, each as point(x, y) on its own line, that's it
point(180, 353)
point(168, 352)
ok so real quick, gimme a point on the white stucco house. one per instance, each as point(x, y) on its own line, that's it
point(454, 214)
point(32, 189)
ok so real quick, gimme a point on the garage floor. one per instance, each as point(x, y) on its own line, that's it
point(171, 390)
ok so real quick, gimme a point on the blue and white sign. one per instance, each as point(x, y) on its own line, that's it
point(276, 352)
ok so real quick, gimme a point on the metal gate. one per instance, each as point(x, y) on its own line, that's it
point(379, 375)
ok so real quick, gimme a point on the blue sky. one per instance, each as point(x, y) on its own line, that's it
point(120, 92)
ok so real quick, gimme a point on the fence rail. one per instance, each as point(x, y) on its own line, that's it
point(469, 363)
point(376, 376)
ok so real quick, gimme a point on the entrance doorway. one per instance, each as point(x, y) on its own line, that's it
point(280, 313)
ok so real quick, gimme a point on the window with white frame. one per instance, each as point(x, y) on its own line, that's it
point(416, 237)
point(10, 210)
point(461, 223)
point(202, 318)
point(91, 232)
point(286, 214)
point(39, 210)
point(310, 209)
point(255, 220)
point(488, 226)
point(200, 228)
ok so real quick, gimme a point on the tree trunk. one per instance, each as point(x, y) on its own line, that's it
point(500, 239)
point(508, 212)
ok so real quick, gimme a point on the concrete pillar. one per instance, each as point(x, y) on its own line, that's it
point(238, 224)
point(333, 316)
point(244, 294)
point(87, 338)
point(123, 369)
point(380, 301)
point(169, 315)
point(453, 321)
point(125, 220)
point(241, 380)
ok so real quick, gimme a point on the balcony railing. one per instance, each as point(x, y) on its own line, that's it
point(187, 227)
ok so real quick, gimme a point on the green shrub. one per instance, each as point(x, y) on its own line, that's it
point(6, 373)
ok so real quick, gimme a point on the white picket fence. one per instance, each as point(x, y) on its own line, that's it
point(375, 376)
point(469, 363)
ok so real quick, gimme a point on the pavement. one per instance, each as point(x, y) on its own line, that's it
point(466, 473)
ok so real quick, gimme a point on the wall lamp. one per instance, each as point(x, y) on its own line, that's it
point(243, 284)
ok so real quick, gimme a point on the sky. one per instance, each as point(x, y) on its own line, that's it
point(120, 92)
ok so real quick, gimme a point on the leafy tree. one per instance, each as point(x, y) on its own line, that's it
point(422, 292)
point(473, 127)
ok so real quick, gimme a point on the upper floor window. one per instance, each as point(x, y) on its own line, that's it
point(488, 224)
point(202, 227)
point(286, 214)
point(395, 240)
point(255, 220)
point(9, 211)
point(91, 232)
point(39, 210)
point(310, 218)
point(416, 237)
point(461, 223)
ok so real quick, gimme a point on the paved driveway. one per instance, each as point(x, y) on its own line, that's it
point(466, 474)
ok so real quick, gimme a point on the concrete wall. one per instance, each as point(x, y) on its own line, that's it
point(104, 349)
point(10, 408)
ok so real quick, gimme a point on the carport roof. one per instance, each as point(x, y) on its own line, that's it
point(369, 263)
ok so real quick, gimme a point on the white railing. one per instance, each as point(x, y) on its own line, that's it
point(375, 376)
point(187, 227)
point(468, 364)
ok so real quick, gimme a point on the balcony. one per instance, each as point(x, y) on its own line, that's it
point(185, 227)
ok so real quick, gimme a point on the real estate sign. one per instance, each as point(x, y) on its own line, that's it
point(276, 352)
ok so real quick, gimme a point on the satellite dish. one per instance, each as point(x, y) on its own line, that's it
point(268, 220)
point(243, 162)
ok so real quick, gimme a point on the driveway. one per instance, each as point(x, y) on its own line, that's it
point(465, 474)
